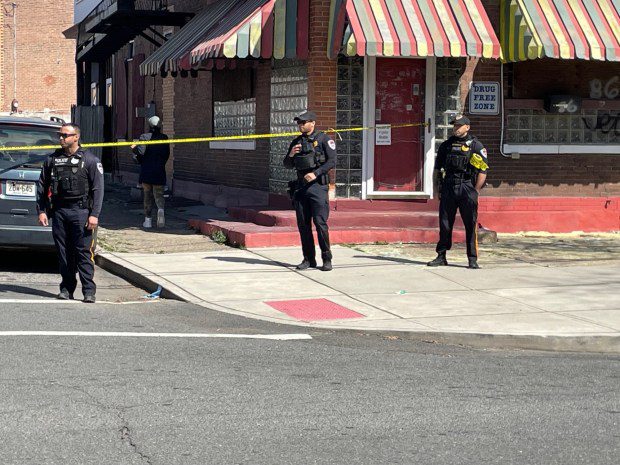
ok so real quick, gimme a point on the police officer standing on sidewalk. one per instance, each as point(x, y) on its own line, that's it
point(462, 162)
point(312, 155)
point(71, 190)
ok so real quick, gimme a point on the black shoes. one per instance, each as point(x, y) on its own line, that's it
point(439, 261)
point(327, 265)
point(64, 295)
point(306, 264)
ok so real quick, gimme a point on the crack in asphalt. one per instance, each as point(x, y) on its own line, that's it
point(124, 430)
point(126, 437)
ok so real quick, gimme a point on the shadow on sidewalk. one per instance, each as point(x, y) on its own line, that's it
point(25, 290)
point(391, 259)
point(249, 261)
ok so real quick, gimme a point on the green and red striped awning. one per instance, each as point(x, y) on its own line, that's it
point(411, 28)
point(229, 29)
point(258, 29)
point(586, 29)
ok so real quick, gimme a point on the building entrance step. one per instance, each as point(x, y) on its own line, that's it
point(245, 234)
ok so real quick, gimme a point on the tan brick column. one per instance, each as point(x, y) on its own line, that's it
point(322, 72)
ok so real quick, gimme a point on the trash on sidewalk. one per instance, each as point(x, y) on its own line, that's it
point(154, 295)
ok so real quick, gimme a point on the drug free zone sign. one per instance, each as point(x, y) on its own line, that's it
point(484, 98)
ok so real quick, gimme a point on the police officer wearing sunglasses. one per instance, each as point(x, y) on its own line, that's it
point(70, 191)
point(460, 173)
point(312, 154)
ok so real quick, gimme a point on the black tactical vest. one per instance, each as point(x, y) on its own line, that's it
point(457, 160)
point(311, 155)
point(69, 179)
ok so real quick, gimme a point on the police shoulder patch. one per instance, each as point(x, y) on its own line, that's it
point(332, 144)
point(484, 152)
point(100, 167)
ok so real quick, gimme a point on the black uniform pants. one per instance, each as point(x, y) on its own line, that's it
point(311, 204)
point(461, 195)
point(76, 249)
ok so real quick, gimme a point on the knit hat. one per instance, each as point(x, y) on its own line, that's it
point(154, 121)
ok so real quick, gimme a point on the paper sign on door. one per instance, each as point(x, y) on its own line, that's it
point(383, 134)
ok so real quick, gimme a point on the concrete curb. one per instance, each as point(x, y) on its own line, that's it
point(119, 267)
point(555, 343)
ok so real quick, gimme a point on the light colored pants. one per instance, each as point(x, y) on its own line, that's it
point(152, 191)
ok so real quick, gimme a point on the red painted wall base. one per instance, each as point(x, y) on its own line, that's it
point(506, 214)
point(550, 214)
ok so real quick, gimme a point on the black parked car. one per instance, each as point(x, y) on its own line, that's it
point(19, 173)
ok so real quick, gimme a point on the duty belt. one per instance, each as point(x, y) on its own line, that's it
point(66, 203)
point(459, 179)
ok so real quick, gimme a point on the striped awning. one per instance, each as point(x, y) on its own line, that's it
point(236, 29)
point(275, 28)
point(586, 29)
point(411, 28)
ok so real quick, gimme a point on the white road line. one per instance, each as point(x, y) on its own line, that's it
point(273, 337)
point(38, 301)
point(75, 301)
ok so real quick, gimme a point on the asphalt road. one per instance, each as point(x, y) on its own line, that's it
point(338, 398)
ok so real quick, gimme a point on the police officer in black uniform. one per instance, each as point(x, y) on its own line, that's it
point(70, 189)
point(460, 173)
point(312, 155)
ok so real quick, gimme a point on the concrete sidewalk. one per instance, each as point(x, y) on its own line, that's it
point(509, 303)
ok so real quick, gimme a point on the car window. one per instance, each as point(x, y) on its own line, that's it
point(17, 136)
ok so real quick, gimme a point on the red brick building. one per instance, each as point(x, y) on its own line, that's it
point(548, 112)
point(37, 63)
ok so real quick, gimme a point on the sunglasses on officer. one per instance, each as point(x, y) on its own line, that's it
point(65, 135)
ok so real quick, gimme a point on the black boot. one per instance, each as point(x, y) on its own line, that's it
point(306, 264)
point(473, 264)
point(327, 260)
point(64, 295)
point(439, 261)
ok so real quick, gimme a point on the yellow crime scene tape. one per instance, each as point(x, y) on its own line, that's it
point(194, 140)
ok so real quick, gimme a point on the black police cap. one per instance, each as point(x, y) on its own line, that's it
point(305, 116)
point(461, 121)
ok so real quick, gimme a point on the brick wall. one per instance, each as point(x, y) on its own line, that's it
point(166, 110)
point(125, 163)
point(46, 72)
point(541, 175)
point(322, 73)
point(193, 116)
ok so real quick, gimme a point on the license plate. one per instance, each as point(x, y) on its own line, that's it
point(20, 189)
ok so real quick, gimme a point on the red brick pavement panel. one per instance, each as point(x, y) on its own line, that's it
point(314, 309)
